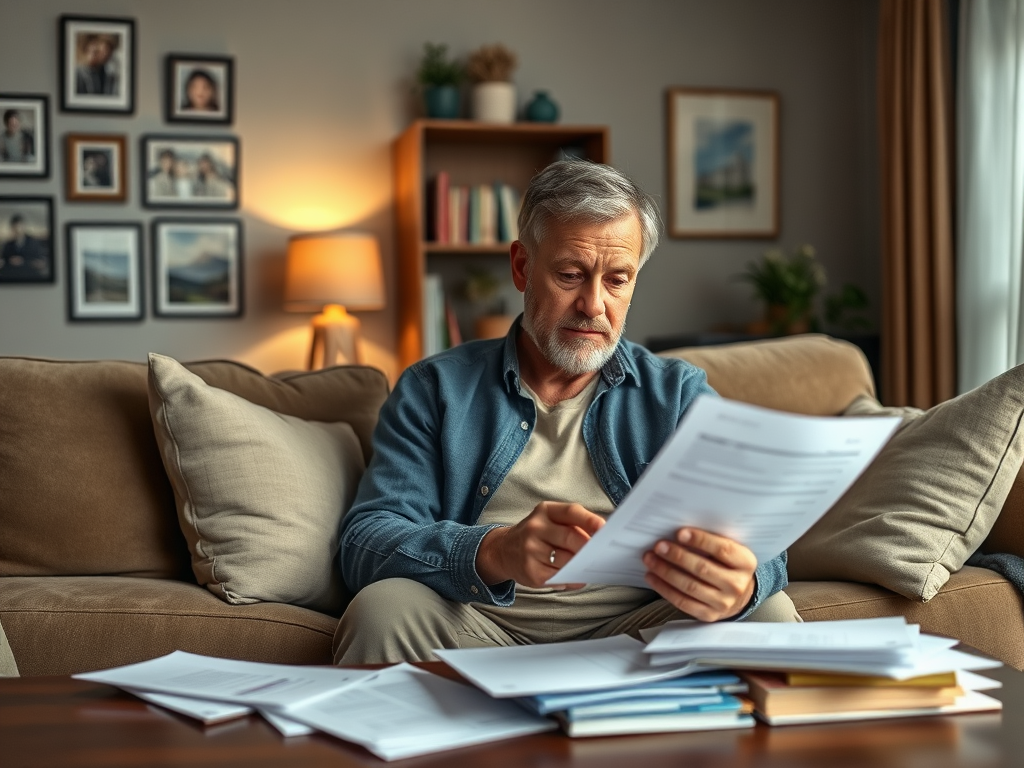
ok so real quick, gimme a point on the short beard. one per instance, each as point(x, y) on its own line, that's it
point(574, 358)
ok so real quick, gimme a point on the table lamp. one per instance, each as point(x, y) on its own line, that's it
point(333, 272)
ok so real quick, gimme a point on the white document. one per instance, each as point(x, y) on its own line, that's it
point(207, 712)
point(404, 711)
point(273, 686)
point(757, 476)
point(287, 728)
point(577, 665)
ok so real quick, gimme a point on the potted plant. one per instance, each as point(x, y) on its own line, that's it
point(440, 77)
point(788, 286)
point(483, 290)
point(494, 96)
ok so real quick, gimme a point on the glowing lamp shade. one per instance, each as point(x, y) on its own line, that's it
point(334, 272)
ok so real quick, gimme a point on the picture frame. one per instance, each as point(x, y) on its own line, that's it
point(199, 89)
point(96, 168)
point(723, 150)
point(26, 240)
point(190, 172)
point(97, 64)
point(25, 136)
point(197, 268)
point(105, 272)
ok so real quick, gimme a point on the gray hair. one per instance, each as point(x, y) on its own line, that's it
point(579, 190)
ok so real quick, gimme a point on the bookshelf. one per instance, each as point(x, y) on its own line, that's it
point(472, 153)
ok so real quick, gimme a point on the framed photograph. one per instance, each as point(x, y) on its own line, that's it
point(96, 168)
point(200, 89)
point(97, 64)
point(25, 139)
point(197, 267)
point(723, 150)
point(104, 271)
point(26, 240)
point(190, 172)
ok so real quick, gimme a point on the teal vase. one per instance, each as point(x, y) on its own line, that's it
point(542, 109)
point(442, 101)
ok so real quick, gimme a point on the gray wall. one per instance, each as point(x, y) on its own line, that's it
point(323, 86)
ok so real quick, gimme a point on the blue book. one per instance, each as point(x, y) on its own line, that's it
point(700, 684)
point(613, 709)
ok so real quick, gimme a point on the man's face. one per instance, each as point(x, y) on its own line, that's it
point(200, 93)
point(97, 52)
point(13, 125)
point(577, 287)
point(18, 230)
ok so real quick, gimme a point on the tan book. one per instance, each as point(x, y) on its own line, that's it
point(772, 696)
point(823, 680)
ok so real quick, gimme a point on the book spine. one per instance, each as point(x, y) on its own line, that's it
point(441, 211)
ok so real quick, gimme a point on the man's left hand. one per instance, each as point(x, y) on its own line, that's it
point(702, 574)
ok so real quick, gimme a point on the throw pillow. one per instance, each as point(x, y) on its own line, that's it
point(929, 498)
point(260, 495)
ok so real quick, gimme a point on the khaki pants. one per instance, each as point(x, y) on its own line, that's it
point(8, 666)
point(402, 620)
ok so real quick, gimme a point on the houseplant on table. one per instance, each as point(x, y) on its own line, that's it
point(494, 96)
point(439, 78)
point(788, 286)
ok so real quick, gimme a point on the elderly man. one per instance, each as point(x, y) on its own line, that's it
point(496, 461)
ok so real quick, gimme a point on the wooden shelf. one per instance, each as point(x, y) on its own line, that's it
point(472, 153)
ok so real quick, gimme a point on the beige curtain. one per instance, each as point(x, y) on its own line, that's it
point(915, 110)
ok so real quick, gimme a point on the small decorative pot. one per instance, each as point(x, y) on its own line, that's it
point(442, 101)
point(494, 102)
point(542, 109)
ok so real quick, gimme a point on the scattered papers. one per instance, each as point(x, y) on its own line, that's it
point(758, 476)
point(271, 686)
point(579, 665)
point(404, 711)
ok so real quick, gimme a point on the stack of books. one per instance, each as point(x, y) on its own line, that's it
point(479, 214)
point(700, 702)
point(794, 673)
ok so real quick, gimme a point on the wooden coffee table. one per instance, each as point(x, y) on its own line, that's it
point(63, 723)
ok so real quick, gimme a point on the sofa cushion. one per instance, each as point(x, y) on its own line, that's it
point(810, 374)
point(65, 625)
point(260, 494)
point(928, 500)
point(82, 487)
point(976, 606)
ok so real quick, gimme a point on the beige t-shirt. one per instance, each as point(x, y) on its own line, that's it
point(555, 466)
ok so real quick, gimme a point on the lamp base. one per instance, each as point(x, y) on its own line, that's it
point(335, 339)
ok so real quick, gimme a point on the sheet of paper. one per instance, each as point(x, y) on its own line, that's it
point(273, 686)
point(578, 665)
point(758, 476)
point(404, 711)
point(207, 712)
point(287, 728)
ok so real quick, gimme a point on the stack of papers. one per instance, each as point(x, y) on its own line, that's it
point(885, 647)
point(396, 712)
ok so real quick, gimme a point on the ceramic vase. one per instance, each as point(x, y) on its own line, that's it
point(494, 102)
point(442, 101)
point(542, 109)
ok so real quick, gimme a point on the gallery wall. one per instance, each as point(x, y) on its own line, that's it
point(324, 86)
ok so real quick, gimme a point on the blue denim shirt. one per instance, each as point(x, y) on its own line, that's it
point(451, 431)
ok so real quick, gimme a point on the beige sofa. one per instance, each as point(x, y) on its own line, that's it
point(95, 571)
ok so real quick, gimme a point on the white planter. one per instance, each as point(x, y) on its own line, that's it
point(494, 102)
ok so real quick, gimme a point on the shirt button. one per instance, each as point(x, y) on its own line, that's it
point(484, 490)
point(524, 425)
point(473, 589)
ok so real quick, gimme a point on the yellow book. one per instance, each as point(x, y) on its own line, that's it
point(824, 680)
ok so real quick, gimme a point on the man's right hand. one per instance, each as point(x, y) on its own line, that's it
point(523, 552)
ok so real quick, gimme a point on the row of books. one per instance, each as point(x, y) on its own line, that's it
point(480, 214)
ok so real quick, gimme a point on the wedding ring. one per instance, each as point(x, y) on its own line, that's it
point(551, 557)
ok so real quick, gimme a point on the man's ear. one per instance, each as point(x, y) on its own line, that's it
point(519, 258)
